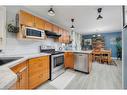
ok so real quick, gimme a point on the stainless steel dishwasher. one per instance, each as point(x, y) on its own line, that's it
point(81, 62)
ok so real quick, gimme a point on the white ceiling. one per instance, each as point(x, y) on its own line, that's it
point(85, 17)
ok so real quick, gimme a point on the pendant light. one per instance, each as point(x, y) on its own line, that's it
point(72, 27)
point(99, 17)
point(51, 12)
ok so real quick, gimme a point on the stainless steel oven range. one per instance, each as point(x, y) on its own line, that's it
point(56, 62)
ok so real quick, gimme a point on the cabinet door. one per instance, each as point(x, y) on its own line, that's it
point(35, 72)
point(66, 36)
point(22, 75)
point(65, 59)
point(26, 18)
point(39, 23)
point(61, 31)
point(55, 29)
point(48, 26)
point(24, 78)
point(38, 71)
point(46, 68)
point(69, 60)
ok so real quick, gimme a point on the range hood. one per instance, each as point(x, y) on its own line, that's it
point(51, 34)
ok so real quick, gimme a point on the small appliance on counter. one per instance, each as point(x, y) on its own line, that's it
point(56, 62)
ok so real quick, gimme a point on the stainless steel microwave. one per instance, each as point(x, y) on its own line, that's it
point(34, 33)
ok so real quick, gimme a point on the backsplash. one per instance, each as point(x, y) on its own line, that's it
point(14, 46)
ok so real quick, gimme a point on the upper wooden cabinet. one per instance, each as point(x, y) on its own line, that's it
point(55, 29)
point(48, 26)
point(26, 18)
point(61, 32)
point(39, 23)
point(66, 37)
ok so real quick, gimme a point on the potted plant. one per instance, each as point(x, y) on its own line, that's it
point(119, 47)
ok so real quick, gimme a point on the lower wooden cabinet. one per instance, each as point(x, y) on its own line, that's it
point(22, 76)
point(69, 60)
point(31, 73)
point(38, 71)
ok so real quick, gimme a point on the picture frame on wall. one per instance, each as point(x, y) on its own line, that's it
point(87, 41)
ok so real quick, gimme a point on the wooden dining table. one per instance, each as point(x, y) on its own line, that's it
point(102, 56)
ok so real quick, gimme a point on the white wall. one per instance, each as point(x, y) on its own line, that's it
point(14, 46)
point(2, 27)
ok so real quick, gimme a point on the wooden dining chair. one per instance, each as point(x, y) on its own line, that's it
point(106, 56)
point(97, 55)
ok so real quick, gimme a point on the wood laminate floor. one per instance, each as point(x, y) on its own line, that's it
point(102, 76)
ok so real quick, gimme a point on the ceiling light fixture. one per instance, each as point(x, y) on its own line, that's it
point(99, 35)
point(51, 12)
point(72, 27)
point(99, 17)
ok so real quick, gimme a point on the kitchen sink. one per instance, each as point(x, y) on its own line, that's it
point(4, 60)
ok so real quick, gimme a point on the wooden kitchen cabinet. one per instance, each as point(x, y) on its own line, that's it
point(26, 18)
point(22, 75)
point(66, 37)
point(61, 38)
point(69, 60)
point(55, 29)
point(38, 71)
point(39, 23)
point(48, 26)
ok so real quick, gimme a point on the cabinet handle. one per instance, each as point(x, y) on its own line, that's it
point(18, 76)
